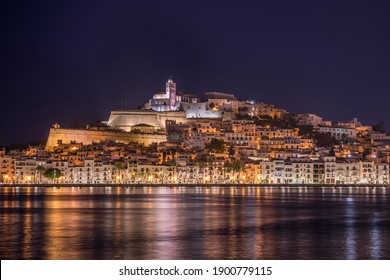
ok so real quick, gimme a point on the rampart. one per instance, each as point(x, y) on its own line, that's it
point(85, 136)
point(126, 119)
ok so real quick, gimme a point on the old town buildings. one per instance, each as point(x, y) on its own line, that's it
point(215, 138)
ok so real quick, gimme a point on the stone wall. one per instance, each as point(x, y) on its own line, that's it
point(126, 119)
point(199, 110)
point(88, 136)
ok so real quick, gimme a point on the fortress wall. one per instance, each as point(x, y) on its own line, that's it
point(88, 136)
point(178, 116)
point(126, 119)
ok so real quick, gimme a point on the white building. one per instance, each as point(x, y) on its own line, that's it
point(187, 174)
point(378, 136)
point(267, 169)
point(200, 110)
point(382, 173)
point(308, 119)
point(92, 172)
point(279, 174)
point(329, 170)
point(302, 171)
point(25, 170)
point(340, 133)
point(277, 132)
point(351, 124)
point(347, 172)
point(241, 139)
point(7, 168)
point(367, 172)
point(288, 172)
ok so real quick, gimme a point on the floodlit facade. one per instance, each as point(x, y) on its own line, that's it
point(340, 133)
point(7, 167)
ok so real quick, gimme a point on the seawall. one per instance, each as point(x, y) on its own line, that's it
point(209, 185)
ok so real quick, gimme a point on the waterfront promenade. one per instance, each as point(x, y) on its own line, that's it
point(219, 185)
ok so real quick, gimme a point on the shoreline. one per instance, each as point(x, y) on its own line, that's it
point(206, 185)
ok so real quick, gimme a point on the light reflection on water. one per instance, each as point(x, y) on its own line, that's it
point(194, 223)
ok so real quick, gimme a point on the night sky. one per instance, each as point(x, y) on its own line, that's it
point(62, 61)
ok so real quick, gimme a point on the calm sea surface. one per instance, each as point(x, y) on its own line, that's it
point(194, 223)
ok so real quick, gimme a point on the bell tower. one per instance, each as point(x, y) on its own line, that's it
point(171, 94)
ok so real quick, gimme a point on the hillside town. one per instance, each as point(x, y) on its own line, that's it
point(209, 139)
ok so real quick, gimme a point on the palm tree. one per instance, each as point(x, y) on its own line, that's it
point(40, 170)
point(133, 177)
point(173, 165)
point(231, 150)
point(120, 166)
point(220, 171)
point(237, 166)
point(201, 163)
point(227, 168)
point(211, 169)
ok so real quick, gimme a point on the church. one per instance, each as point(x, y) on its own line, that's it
point(167, 106)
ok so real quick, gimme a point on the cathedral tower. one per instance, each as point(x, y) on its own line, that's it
point(171, 94)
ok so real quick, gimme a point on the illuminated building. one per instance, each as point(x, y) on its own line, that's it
point(340, 133)
point(162, 102)
point(6, 167)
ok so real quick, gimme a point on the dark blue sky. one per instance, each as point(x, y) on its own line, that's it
point(66, 60)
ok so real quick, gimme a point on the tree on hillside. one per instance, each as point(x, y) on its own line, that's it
point(216, 145)
point(324, 139)
point(366, 153)
point(379, 127)
point(306, 131)
point(288, 120)
point(243, 109)
point(231, 150)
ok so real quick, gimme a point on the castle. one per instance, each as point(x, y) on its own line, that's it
point(147, 125)
point(166, 106)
